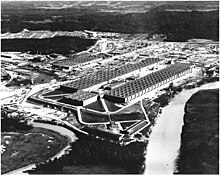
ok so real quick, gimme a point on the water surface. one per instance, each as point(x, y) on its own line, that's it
point(165, 139)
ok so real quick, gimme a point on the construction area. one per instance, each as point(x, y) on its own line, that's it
point(103, 90)
point(105, 86)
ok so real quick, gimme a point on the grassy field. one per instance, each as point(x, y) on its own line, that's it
point(27, 147)
point(96, 106)
point(93, 118)
point(96, 118)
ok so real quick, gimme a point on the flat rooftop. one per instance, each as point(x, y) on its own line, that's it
point(81, 96)
point(133, 87)
point(105, 75)
point(77, 59)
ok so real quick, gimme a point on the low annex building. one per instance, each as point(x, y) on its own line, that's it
point(64, 64)
point(80, 98)
point(77, 60)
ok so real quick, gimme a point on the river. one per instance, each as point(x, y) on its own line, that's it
point(165, 139)
point(63, 131)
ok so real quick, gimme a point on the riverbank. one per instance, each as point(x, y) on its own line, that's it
point(92, 152)
point(166, 135)
point(173, 90)
point(25, 143)
point(27, 147)
point(200, 134)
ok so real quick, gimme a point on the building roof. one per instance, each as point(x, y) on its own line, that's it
point(80, 96)
point(133, 87)
point(105, 75)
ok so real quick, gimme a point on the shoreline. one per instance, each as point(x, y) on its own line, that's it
point(200, 136)
point(163, 133)
point(21, 170)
